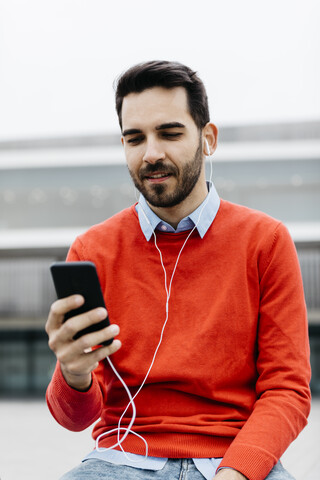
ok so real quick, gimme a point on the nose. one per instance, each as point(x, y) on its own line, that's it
point(153, 152)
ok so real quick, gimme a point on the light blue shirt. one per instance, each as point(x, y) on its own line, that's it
point(202, 218)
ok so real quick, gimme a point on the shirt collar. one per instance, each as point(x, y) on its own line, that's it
point(202, 217)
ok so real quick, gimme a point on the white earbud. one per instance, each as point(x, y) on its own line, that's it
point(207, 147)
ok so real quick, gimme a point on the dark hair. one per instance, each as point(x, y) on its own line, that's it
point(168, 75)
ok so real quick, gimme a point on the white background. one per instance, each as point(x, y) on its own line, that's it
point(58, 58)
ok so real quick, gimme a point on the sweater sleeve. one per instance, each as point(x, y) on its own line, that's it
point(282, 387)
point(71, 408)
point(74, 410)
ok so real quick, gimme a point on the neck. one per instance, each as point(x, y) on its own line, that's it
point(173, 215)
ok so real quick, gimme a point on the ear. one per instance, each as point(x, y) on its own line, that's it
point(209, 133)
point(122, 141)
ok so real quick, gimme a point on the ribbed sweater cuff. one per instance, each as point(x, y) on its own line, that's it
point(72, 408)
point(253, 462)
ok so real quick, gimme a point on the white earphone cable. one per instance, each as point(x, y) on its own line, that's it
point(128, 429)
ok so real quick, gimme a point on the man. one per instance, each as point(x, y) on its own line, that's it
point(209, 299)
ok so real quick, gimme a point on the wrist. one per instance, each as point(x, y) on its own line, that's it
point(82, 383)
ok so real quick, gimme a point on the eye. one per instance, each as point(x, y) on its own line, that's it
point(135, 140)
point(171, 136)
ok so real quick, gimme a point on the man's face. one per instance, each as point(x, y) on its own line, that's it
point(162, 145)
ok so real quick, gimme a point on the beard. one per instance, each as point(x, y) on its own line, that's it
point(157, 195)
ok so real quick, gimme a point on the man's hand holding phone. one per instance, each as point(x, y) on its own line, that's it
point(73, 340)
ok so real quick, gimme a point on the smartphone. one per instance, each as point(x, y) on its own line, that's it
point(71, 278)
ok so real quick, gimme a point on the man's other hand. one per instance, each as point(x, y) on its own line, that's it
point(229, 474)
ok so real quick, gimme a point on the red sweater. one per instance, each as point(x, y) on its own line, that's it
point(231, 378)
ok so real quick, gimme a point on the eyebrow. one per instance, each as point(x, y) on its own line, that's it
point(163, 126)
point(131, 131)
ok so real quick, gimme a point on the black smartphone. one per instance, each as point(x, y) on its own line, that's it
point(71, 278)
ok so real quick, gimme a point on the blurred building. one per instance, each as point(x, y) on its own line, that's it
point(53, 189)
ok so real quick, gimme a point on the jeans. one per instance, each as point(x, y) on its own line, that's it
point(175, 469)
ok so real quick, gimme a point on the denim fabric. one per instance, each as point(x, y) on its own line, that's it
point(174, 469)
point(279, 473)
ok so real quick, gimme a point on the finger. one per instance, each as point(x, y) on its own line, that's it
point(84, 363)
point(90, 340)
point(102, 352)
point(59, 308)
point(62, 336)
point(79, 322)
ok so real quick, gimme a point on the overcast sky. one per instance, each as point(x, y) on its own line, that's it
point(58, 58)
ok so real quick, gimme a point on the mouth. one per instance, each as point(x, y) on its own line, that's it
point(158, 177)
